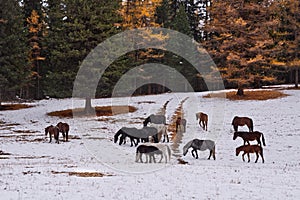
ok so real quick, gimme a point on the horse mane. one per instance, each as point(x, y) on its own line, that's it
point(187, 146)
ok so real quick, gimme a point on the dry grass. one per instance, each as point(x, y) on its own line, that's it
point(99, 111)
point(249, 95)
point(82, 174)
point(14, 107)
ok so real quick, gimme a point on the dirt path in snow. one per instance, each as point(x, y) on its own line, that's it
point(176, 138)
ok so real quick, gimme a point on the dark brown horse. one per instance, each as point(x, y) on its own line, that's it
point(250, 136)
point(52, 130)
point(247, 149)
point(242, 121)
point(64, 129)
point(149, 151)
point(181, 122)
point(203, 119)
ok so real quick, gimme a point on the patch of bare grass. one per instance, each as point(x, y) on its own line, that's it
point(249, 95)
point(14, 107)
point(82, 174)
point(99, 111)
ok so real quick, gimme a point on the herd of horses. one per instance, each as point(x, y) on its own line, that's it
point(155, 127)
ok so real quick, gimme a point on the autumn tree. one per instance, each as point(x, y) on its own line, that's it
point(240, 42)
point(142, 14)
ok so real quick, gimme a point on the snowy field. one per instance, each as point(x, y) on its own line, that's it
point(37, 169)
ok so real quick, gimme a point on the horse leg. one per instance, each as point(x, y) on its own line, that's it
point(141, 155)
point(248, 157)
point(214, 153)
point(235, 128)
point(64, 136)
point(193, 153)
point(256, 157)
point(262, 157)
point(210, 153)
point(152, 154)
point(243, 156)
point(67, 136)
point(50, 137)
point(137, 157)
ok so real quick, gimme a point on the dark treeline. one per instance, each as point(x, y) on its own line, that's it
point(43, 42)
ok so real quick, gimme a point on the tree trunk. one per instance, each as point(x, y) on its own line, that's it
point(88, 109)
point(296, 77)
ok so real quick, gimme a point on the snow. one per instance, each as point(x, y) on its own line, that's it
point(35, 168)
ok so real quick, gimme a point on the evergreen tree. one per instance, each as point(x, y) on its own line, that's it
point(287, 36)
point(14, 74)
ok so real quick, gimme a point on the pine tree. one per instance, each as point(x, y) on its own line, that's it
point(287, 36)
point(13, 71)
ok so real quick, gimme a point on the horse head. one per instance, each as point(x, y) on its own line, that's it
point(116, 136)
point(237, 151)
point(235, 135)
point(146, 121)
point(47, 129)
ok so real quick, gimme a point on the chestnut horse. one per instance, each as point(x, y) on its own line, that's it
point(203, 119)
point(64, 129)
point(181, 122)
point(250, 149)
point(242, 121)
point(52, 130)
point(250, 136)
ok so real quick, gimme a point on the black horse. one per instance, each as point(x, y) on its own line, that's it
point(155, 119)
point(136, 135)
point(150, 151)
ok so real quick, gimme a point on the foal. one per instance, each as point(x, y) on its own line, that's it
point(179, 123)
point(247, 149)
point(149, 151)
point(203, 119)
point(52, 130)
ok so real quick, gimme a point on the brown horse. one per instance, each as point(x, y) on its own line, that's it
point(247, 149)
point(180, 122)
point(250, 136)
point(203, 118)
point(52, 130)
point(64, 129)
point(242, 121)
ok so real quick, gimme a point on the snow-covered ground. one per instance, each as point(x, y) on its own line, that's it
point(36, 169)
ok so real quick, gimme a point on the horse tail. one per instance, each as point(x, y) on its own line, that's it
point(263, 139)
point(187, 146)
point(251, 125)
point(169, 152)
